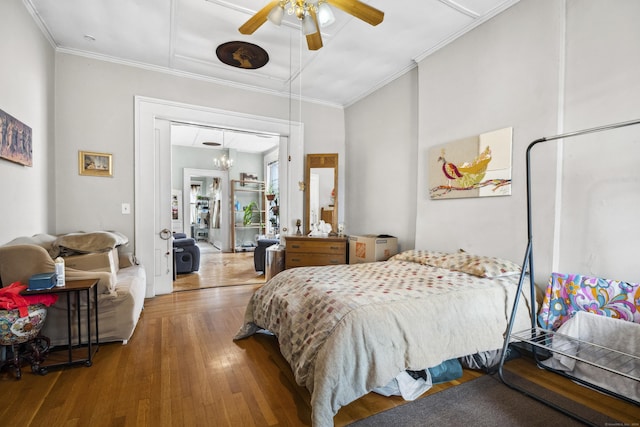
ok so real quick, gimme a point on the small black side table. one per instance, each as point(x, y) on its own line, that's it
point(76, 287)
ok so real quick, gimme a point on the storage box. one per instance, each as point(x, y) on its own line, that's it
point(98, 261)
point(42, 281)
point(370, 248)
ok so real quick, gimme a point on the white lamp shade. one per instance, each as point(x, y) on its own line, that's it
point(308, 26)
point(325, 15)
point(276, 14)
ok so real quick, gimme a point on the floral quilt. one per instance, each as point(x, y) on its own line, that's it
point(348, 329)
point(568, 294)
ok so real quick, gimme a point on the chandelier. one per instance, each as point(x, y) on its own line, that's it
point(304, 11)
point(223, 163)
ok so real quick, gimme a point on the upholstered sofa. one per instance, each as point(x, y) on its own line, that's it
point(100, 255)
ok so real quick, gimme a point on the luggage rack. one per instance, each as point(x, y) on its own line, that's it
point(539, 338)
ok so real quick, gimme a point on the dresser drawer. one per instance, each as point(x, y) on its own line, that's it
point(306, 259)
point(304, 251)
point(317, 247)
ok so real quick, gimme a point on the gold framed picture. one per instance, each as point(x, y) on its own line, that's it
point(95, 164)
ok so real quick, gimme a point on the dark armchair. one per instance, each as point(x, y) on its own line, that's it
point(259, 254)
point(186, 254)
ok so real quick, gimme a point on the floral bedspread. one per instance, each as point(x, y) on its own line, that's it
point(567, 294)
point(348, 329)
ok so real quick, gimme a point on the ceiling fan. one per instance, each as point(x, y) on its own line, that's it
point(313, 14)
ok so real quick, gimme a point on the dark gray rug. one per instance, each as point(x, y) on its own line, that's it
point(486, 401)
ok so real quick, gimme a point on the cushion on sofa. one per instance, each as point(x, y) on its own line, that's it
point(100, 261)
point(19, 262)
point(43, 240)
point(96, 241)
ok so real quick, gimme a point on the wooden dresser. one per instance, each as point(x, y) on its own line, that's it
point(302, 251)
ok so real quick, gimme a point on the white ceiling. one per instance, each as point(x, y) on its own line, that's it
point(189, 135)
point(181, 36)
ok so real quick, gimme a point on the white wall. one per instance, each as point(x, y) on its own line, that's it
point(505, 73)
point(95, 111)
point(601, 180)
point(26, 88)
point(202, 158)
point(382, 144)
point(541, 67)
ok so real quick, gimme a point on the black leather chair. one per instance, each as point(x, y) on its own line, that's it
point(186, 254)
point(260, 252)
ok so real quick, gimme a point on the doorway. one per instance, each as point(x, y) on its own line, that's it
point(152, 216)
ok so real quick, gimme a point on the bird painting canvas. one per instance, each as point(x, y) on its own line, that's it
point(477, 166)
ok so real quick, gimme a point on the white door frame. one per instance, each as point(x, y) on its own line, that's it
point(150, 149)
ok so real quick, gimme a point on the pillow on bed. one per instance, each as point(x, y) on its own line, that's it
point(483, 266)
point(432, 258)
point(476, 265)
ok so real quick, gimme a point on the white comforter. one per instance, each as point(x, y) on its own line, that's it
point(348, 329)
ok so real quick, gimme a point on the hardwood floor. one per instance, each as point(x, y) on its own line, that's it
point(219, 269)
point(182, 368)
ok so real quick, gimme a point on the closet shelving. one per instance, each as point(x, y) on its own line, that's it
point(243, 193)
point(540, 340)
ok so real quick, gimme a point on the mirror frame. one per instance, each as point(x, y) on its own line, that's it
point(314, 161)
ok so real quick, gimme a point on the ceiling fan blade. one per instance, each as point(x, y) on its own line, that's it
point(258, 19)
point(360, 10)
point(314, 41)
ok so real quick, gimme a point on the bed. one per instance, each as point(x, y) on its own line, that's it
point(348, 329)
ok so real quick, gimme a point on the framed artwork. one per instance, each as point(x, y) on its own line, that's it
point(478, 166)
point(15, 140)
point(95, 164)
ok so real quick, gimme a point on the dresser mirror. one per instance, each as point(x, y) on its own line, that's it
point(321, 191)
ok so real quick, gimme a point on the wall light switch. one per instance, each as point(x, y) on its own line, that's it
point(126, 208)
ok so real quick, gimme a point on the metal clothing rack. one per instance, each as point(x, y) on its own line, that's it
point(539, 338)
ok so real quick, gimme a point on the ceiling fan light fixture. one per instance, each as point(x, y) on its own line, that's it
point(308, 10)
point(308, 26)
point(276, 14)
point(325, 15)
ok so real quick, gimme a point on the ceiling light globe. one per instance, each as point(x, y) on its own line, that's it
point(325, 15)
point(308, 26)
point(276, 14)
